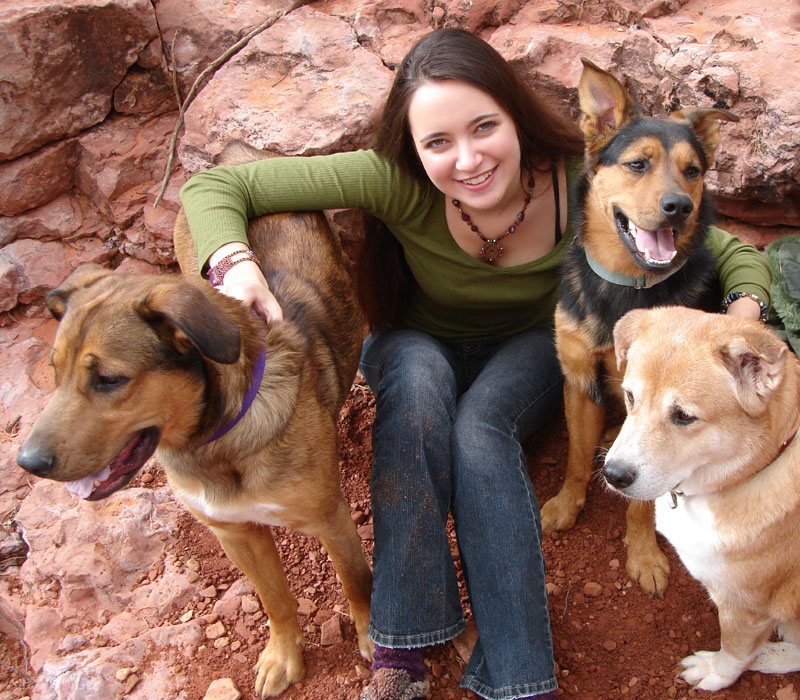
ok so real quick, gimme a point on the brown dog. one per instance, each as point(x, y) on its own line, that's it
point(145, 361)
point(711, 432)
point(641, 223)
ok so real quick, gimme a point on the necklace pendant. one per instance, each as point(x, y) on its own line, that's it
point(491, 252)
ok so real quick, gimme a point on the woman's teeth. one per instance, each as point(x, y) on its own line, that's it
point(478, 180)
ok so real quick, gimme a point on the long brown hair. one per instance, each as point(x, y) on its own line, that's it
point(448, 54)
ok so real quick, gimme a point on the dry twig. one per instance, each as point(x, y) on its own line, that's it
point(208, 71)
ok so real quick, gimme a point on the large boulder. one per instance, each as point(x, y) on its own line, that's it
point(61, 63)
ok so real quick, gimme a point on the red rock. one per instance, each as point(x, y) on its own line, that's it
point(592, 589)
point(331, 632)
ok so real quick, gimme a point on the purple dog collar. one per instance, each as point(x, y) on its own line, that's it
point(255, 385)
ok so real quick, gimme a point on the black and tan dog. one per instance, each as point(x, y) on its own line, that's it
point(145, 361)
point(642, 216)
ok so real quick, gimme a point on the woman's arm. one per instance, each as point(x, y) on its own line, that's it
point(743, 271)
point(219, 203)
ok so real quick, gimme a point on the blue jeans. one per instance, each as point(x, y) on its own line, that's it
point(450, 420)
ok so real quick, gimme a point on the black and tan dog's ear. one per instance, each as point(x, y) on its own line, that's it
point(83, 276)
point(605, 104)
point(756, 359)
point(705, 124)
point(625, 332)
point(184, 318)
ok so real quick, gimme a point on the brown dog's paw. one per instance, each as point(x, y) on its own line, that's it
point(280, 664)
point(560, 512)
point(650, 569)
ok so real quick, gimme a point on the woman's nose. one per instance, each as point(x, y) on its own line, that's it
point(468, 157)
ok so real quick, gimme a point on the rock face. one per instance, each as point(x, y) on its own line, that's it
point(90, 91)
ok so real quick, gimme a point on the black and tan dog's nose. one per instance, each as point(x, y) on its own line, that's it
point(676, 207)
point(619, 475)
point(36, 459)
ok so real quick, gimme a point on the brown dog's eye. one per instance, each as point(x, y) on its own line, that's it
point(105, 383)
point(681, 417)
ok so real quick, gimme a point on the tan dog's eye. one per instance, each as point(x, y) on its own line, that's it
point(681, 417)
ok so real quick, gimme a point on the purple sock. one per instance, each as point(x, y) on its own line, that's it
point(410, 660)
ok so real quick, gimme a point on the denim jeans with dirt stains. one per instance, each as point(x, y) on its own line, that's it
point(449, 426)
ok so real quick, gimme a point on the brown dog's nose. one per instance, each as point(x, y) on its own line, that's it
point(36, 460)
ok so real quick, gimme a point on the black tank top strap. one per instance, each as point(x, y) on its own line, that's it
point(557, 195)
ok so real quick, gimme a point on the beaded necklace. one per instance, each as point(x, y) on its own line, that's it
point(491, 250)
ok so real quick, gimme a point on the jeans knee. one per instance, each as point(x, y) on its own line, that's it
point(411, 375)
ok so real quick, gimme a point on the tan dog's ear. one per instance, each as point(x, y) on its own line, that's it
point(625, 332)
point(605, 104)
point(705, 124)
point(756, 361)
point(83, 276)
point(184, 318)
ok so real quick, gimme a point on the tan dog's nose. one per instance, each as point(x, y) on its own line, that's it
point(619, 475)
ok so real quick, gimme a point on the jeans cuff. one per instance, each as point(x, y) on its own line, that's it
point(412, 641)
point(528, 690)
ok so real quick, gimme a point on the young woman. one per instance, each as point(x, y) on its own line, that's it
point(469, 178)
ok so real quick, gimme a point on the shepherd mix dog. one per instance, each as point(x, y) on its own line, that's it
point(642, 215)
point(711, 433)
point(144, 361)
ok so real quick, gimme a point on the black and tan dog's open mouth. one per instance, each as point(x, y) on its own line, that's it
point(120, 470)
point(655, 249)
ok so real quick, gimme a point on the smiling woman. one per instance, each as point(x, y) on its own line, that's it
point(468, 180)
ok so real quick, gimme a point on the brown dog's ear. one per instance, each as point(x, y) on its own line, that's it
point(82, 276)
point(605, 104)
point(184, 318)
point(756, 361)
point(705, 124)
point(625, 332)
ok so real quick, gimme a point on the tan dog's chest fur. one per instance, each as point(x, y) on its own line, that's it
point(711, 433)
point(145, 360)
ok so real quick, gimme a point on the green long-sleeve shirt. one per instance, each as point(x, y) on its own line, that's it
point(454, 297)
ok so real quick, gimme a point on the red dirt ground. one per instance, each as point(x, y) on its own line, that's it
point(611, 640)
point(618, 644)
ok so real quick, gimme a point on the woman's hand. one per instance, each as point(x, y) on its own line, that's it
point(744, 307)
point(245, 282)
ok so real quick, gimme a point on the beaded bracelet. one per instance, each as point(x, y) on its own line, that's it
point(216, 274)
point(733, 296)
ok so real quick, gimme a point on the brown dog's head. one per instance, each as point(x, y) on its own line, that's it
point(130, 365)
point(643, 177)
point(701, 392)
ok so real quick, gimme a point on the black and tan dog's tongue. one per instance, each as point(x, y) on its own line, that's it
point(656, 246)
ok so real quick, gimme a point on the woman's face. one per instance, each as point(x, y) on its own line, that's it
point(466, 142)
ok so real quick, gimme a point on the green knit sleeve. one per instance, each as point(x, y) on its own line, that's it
point(741, 267)
point(220, 202)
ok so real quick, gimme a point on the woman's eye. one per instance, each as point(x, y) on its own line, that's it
point(629, 399)
point(436, 144)
point(486, 126)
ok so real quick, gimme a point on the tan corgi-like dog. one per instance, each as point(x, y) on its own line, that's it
point(713, 412)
